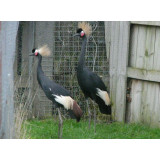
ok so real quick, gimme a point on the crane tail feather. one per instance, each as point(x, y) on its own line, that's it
point(76, 111)
point(105, 109)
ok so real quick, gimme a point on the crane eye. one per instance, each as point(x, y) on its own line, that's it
point(82, 33)
point(33, 50)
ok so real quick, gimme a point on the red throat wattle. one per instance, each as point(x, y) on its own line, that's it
point(82, 34)
point(36, 53)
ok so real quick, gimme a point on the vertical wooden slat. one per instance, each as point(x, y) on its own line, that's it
point(156, 63)
point(140, 50)
point(113, 64)
point(120, 32)
point(136, 99)
point(8, 43)
point(133, 47)
point(150, 47)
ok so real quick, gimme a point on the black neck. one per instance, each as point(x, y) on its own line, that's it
point(81, 63)
point(40, 73)
point(39, 62)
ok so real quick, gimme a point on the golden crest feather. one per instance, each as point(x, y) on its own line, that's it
point(44, 51)
point(86, 27)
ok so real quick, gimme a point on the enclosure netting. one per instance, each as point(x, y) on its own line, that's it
point(62, 65)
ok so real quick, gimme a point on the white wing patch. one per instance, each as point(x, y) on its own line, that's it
point(66, 101)
point(104, 96)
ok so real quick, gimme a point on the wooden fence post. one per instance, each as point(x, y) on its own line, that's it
point(118, 44)
point(8, 34)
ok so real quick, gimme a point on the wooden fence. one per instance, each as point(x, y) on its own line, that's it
point(134, 50)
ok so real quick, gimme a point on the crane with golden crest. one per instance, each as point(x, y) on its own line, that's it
point(90, 83)
point(55, 92)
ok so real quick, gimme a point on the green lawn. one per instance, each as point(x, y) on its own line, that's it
point(48, 129)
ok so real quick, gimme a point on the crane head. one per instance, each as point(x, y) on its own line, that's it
point(80, 33)
point(43, 51)
point(84, 29)
point(34, 52)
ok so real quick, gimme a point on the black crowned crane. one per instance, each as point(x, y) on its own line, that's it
point(90, 83)
point(54, 92)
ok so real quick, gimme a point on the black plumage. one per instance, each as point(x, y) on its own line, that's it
point(89, 81)
point(53, 90)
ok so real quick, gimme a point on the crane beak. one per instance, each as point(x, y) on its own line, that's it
point(77, 34)
point(31, 54)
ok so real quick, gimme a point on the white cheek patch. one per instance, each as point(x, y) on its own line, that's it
point(66, 101)
point(104, 96)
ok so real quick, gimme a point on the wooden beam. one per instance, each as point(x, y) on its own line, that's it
point(119, 48)
point(8, 44)
point(150, 23)
point(142, 74)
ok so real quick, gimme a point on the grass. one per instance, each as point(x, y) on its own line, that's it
point(48, 129)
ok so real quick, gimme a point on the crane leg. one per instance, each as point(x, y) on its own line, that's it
point(53, 110)
point(60, 124)
point(89, 114)
point(95, 118)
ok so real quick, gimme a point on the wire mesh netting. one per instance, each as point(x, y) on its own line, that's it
point(61, 66)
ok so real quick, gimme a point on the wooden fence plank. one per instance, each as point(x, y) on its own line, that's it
point(149, 48)
point(153, 108)
point(156, 60)
point(136, 90)
point(113, 61)
point(118, 63)
point(147, 75)
point(141, 44)
point(113, 65)
point(133, 46)
point(151, 23)
point(8, 44)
